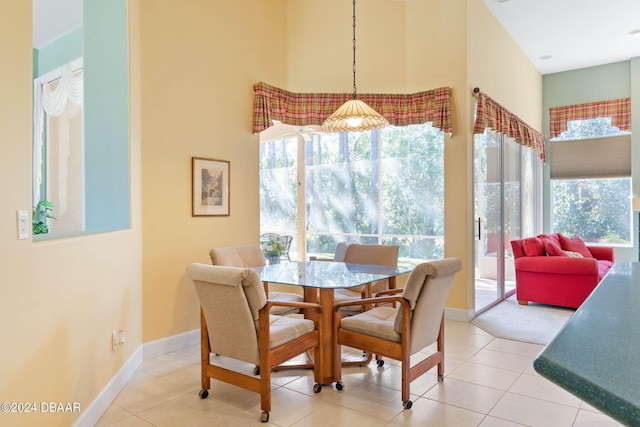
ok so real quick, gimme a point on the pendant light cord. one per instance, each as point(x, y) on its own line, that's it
point(354, 49)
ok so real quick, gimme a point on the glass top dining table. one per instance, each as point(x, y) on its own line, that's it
point(319, 279)
point(327, 274)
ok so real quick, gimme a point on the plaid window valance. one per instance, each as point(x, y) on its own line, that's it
point(490, 114)
point(618, 109)
point(303, 109)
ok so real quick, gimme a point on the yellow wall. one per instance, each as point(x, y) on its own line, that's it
point(59, 299)
point(199, 61)
point(193, 64)
point(320, 54)
point(501, 70)
point(438, 57)
point(414, 46)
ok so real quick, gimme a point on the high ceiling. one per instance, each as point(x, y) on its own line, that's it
point(574, 33)
point(54, 18)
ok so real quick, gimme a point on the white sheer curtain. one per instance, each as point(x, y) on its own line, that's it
point(57, 93)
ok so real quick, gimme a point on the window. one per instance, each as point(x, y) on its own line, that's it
point(100, 180)
point(58, 145)
point(384, 187)
point(591, 182)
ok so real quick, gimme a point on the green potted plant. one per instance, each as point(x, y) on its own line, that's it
point(41, 215)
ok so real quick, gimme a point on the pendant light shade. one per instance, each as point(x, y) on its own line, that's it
point(354, 115)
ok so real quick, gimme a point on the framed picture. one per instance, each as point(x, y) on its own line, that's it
point(210, 187)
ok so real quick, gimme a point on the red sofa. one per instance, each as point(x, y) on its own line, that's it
point(557, 270)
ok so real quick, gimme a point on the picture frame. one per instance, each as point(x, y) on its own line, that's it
point(210, 187)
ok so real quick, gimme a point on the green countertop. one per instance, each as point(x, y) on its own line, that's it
point(596, 356)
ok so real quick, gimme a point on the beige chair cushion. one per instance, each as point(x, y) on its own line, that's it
point(250, 256)
point(285, 329)
point(230, 308)
point(231, 299)
point(377, 322)
point(341, 250)
point(356, 253)
point(247, 256)
point(426, 290)
point(345, 295)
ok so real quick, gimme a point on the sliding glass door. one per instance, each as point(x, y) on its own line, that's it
point(505, 206)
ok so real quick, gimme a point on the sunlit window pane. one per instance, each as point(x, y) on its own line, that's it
point(378, 187)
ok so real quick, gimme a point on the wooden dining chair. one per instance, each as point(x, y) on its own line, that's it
point(236, 323)
point(399, 332)
point(251, 256)
point(356, 253)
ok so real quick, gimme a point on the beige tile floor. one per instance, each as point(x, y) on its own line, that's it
point(489, 382)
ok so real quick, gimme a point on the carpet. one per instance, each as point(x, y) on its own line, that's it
point(533, 323)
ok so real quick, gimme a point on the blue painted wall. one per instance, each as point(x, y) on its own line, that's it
point(104, 42)
point(59, 52)
point(106, 108)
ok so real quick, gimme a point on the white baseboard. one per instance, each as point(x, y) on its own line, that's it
point(170, 344)
point(101, 403)
point(459, 314)
point(105, 398)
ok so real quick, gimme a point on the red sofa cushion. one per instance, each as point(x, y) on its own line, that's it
point(533, 246)
point(555, 237)
point(575, 244)
point(603, 268)
point(553, 248)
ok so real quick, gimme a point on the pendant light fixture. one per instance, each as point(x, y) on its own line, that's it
point(354, 115)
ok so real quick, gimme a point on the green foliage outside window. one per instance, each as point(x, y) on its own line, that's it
point(597, 210)
point(383, 186)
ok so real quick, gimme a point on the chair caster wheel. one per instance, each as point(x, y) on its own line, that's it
point(339, 385)
point(317, 388)
point(407, 404)
point(256, 370)
point(204, 393)
point(440, 378)
point(264, 417)
point(380, 363)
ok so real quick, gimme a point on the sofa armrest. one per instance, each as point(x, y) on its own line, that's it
point(557, 265)
point(601, 252)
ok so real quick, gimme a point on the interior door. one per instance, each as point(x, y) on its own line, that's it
point(498, 179)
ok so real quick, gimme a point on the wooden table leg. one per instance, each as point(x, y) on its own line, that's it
point(327, 376)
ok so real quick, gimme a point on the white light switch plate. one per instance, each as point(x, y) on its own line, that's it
point(23, 225)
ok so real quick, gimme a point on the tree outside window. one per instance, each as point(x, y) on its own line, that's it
point(383, 187)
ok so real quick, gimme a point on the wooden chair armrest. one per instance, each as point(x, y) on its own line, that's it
point(310, 305)
point(264, 322)
point(338, 306)
point(389, 292)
